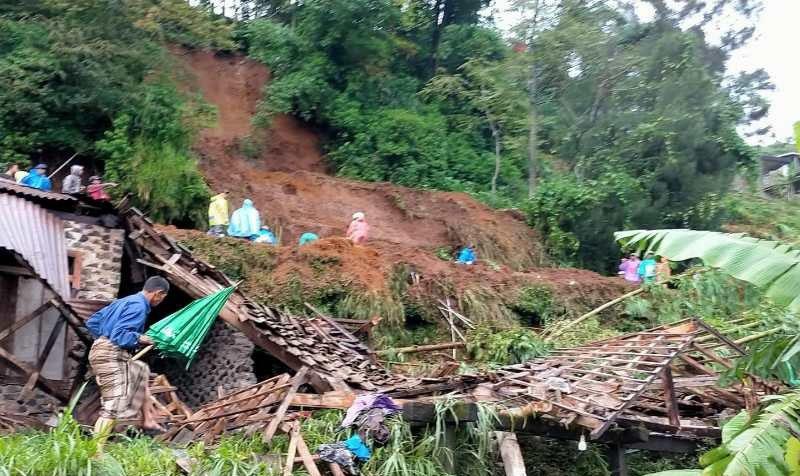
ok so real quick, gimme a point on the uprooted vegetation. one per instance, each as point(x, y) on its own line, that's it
point(404, 287)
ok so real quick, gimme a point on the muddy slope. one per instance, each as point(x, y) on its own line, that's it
point(282, 170)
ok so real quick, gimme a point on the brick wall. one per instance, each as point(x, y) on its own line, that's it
point(100, 251)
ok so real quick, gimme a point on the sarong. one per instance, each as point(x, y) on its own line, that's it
point(122, 383)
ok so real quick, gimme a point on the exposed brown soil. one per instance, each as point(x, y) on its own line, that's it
point(233, 84)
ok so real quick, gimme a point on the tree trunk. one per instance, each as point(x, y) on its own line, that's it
point(533, 140)
point(497, 147)
point(437, 36)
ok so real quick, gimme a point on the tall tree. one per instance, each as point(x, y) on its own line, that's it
point(489, 90)
point(536, 15)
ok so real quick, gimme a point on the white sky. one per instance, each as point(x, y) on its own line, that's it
point(773, 47)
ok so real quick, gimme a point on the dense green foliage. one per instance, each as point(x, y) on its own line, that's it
point(635, 123)
point(89, 76)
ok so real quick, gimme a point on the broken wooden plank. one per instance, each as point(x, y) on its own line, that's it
point(295, 434)
point(510, 453)
point(17, 325)
point(277, 418)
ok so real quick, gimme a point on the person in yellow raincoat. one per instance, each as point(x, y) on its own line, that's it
point(218, 214)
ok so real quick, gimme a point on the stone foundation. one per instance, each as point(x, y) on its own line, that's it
point(40, 405)
point(225, 359)
point(100, 250)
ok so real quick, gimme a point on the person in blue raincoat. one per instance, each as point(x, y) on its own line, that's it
point(647, 269)
point(245, 221)
point(264, 236)
point(37, 178)
point(308, 237)
point(466, 255)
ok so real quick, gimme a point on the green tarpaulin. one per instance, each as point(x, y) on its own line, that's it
point(181, 333)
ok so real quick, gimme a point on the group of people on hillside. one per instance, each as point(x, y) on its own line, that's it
point(245, 223)
point(71, 185)
point(645, 271)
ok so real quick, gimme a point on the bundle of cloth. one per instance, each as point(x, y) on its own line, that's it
point(367, 416)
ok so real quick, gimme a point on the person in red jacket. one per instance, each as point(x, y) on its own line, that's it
point(97, 189)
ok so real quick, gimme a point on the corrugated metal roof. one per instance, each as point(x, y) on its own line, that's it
point(14, 188)
point(84, 308)
point(38, 236)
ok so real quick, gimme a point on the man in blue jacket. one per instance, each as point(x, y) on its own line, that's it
point(119, 329)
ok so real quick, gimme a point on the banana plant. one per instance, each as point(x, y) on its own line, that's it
point(763, 443)
point(772, 266)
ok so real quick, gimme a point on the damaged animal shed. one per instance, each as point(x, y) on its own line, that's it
point(263, 369)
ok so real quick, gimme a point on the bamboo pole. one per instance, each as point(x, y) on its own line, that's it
point(558, 332)
point(593, 312)
point(422, 348)
point(751, 338)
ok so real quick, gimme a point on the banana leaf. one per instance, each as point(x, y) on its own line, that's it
point(181, 333)
point(770, 265)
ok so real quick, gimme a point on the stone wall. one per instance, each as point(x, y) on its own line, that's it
point(101, 258)
point(40, 405)
point(225, 359)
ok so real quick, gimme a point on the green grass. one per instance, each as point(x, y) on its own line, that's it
point(774, 219)
point(70, 450)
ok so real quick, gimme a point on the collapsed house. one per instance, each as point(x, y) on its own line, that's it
point(62, 259)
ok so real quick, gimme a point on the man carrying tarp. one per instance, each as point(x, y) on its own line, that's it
point(119, 329)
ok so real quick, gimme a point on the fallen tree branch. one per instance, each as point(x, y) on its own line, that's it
point(422, 348)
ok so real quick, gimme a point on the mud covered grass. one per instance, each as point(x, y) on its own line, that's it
point(406, 287)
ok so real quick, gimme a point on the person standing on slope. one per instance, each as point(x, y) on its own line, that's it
point(245, 222)
point(359, 229)
point(119, 329)
point(647, 269)
point(218, 214)
point(629, 268)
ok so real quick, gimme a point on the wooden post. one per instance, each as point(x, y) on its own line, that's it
point(277, 418)
point(669, 398)
point(447, 458)
point(616, 460)
point(510, 453)
point(336, 470)
point(295, 434)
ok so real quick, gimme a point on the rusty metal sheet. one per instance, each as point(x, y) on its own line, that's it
point(38, 237)
point(84, 308)
point(13, 188)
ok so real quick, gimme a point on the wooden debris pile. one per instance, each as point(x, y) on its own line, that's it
point(665, 379)
point(169, 408)
point(262, 407)
point(11, 422)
